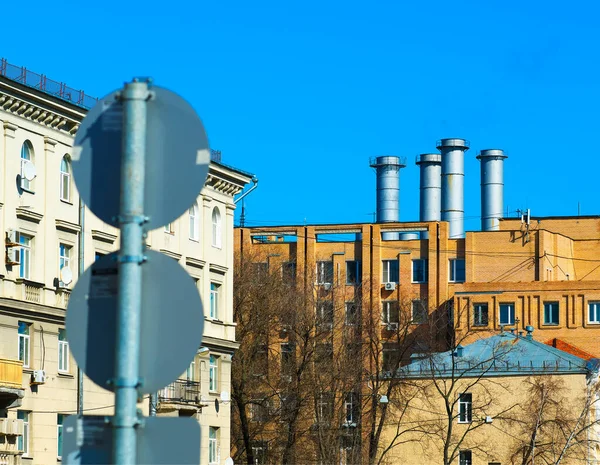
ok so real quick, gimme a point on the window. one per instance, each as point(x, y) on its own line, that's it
point(23, 441)
point(419, 271)
point(324, 272)
point(63, 351)
point(194, 222)
point(325, 314)
point(259, 410)
point(551, 313)
point(324, 354)
point(507, 314)
point(324, 407)
point(457, 270)
point(64, 256)
point(351, 313)
point(169, 228)
point(213, 373)
point(190, 372)
point(216, 228)
point(261, 269)
point(390, 356)
point(25, 256)
point(390, 312)
point(260, 361)
point(288, 271)
point(65, 179)
point(390, 271)
point(480, 315)
point(59, 433)
point(24, 342)
point(287, 361)
point(419, 312)
point(465, 408)
point(353, 272)
point(214, 300)
point(26, 163)
point(465, 457)
point(213, 445)
point(259, 452)
point(351, 408)
point(594, 312)
point(98, 256)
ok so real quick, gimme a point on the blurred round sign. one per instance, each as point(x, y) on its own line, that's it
point(171, 327)
point(177, 157)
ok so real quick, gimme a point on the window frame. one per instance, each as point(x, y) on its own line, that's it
point(453, 270)
point(287, 352)
point(24, 339)
point(24, 440)
point(387, 309)
point(193, 215)
point(424, 270)
point(324, 274)
point(213, 373)
point(288, 272)
point(26, 156)
point(351, 313)
point(64, 256)
point(356, 267)
point(596, 308)
point(65, 179)
point(421, 306)
point(477, 314)
point(63, 351)
point(465, 457)
point(549, 308)
point(213, 445)
point(465, 408)
point(351, 408)
point(510, 305)
point(388, 272)
point(25, 254)
point(59, 434)
point(324, 314)
point(216, 228)
point(215, 290)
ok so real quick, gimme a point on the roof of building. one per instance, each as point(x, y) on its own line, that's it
point(504, 354)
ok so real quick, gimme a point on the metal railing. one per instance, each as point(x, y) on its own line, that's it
point(26, 77)
point(181, 391)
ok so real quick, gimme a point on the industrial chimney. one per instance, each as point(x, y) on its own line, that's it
point(430, 165)
point(388, 188)
point(453, 184)
point(492, 188)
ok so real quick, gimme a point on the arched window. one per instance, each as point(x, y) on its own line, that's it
point(194, 221)
point(65, 179)
point(216, 228)
point(26, 158)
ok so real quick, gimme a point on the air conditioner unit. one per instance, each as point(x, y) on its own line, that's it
point(392, 326)
point(13, 256)
point(12, 238)
point(15, 427)
point(390, 286)
point(488, 419)
point(38, 377)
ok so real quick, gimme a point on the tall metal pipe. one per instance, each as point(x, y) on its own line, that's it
point(430, 165)
point(492, 188)
point(453, 184)
point(388, 190)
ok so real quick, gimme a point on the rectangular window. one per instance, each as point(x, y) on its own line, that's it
point(213, 373)
point(353, 272)
point(214, 300)
point(24, 343)
point(25, 256)
point(390, 356)
point(259, 410)
point(325, 314)
point(324, 272)
point(351, 408)
point(190, 373)
point(324, 407)
point(324, 355)
point(64, 257)
point(261, 269)
point(551, 313)
point(457, 270)
point(259, 452)
point(213, 446)
point(390, 312)
point(169, 228)
point(287, 361)
point(98, 256)
point(23, 441)
point(419, 271)
point(260, 362)
point(63, 351)
point(480, 315)
point(391, 271)
point(419, 312)
point(59, 434)
point(465, 408)
point(351, 313)
point(507, 314)
point(594, 312)
point(288, 271)
point(465, 457)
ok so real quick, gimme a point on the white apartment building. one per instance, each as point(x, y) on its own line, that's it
point(46, 232)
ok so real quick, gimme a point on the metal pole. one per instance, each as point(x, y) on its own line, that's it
point(131, 219)
point(81, 270)
point(153, 404)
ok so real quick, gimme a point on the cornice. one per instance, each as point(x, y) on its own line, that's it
point(218, 268)
point(103, 236)
point(173, 255)
point(29, 215)
point(195, 262)
point(66, 226)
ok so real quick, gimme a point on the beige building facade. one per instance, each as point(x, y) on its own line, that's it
point(48, 237)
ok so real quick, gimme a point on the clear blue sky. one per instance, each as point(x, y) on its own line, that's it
point(303, 93)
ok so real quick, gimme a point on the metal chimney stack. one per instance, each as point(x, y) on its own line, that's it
point(492, 188)
point(388, 191)
point(453, 184)
point(430, 187)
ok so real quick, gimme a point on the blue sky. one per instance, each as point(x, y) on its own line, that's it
point(303, 93)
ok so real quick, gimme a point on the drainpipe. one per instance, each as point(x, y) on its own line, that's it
point(255, 181)
point(81, 246)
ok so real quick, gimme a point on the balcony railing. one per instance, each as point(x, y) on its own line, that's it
point(181, 391)
point(11, 373)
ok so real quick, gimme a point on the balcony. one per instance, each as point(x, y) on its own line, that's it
point(181, 394)
point(11, 383)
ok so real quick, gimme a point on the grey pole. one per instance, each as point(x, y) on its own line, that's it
point(153, 403)
point(81, 270)
point(131, 220)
